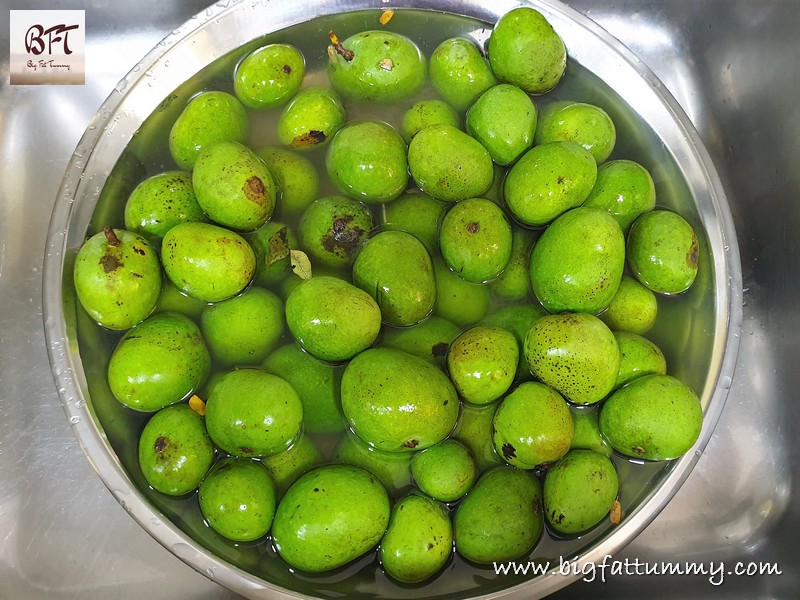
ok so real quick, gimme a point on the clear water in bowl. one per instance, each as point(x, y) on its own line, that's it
point(679, 332)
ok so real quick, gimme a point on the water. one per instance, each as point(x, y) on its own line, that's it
point(148, 154)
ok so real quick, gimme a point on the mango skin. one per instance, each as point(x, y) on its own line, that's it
point(577, 263)
point(332, 319)
point(418, 541)
point(655, 417)
point(398, 402)
point(237, 499)
point(445, 472)
point(579, 491)
point(206, 261)
point(459, 301)
point(117, 284)
point(295, 176)
point(329, 517)
point(475, 239)
point(367, 161)
point(547, 181)
point(311, 118)
point(503, 119)
point(633, 308)
point(429, 339)
point(663, 252)
point(448, 164)
point(474, 430)
point(317, 384)
point(175, 451)
point(500, 519)
point(395, 268)
point(208, 118)
point(287, 466)
point(575, 354)
point(252, 413)
point(234, 187)
point(159, 362)
point(580, 122)
point(482, 363)
point(625, 189)
point(638, 356)
point(384, 67)
point(518, 319)
point(586, 432)
point(459, 72)
point(160, 202)
point(417, 214)
point(424, 113)
point(526, 51)
point(532, 426)
point(393, 469)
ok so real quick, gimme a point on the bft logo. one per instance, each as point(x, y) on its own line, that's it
point(47, 47)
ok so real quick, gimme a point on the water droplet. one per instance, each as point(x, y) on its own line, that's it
point(210, 573)
point(182, 550)
point(74, 420)
point(725, 382)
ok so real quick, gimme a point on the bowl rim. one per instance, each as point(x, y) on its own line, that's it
point(61, 341)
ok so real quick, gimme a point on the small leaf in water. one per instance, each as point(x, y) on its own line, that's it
point(301, 265)
point(277, 248)
point(197, 405)
point(386, 16)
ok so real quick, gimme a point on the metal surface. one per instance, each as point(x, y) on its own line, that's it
point(65, 536)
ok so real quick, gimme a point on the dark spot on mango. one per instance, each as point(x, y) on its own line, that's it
point(439, 350)
point(691, 256)
point(341, 239)
point(110, 263)
point(410, 443)
point(509, 451)
point(473, 227)
point(312, 138)
point(245, 450)
point(286, 69)
point(161, 444)
point(254, 190)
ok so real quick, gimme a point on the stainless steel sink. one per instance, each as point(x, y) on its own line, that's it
point(733, 67)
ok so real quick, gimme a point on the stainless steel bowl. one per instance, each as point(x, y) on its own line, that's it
point(698, 332)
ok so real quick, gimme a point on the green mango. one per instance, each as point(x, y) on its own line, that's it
point(392, 468)
point(424, 113)
point(377, 66)
point(160, 202)
point(206, 261)
point(663, 252)
point(633, 308)
point(252, 413)
point(482, 363)
point(175, 452)
point(655, 417)
point(429, 339)
point(460, 72)
point(575, 354)
point(237, 499)
point(329, 517)
point(459, 301)
point(532, 426)
point(638, 356)
point(286, 466)
point(269, 76)
point(311, 118)
point(417, 214)
point(395, 268)
point(159, 362)
point(547, 181)
point(526, 51)
point(295, 176)
point(445, 472)
point(398, 402)
point(244, 329)
point(475, 240)
point(117, 278)
point(332, 230)
point(208, 118)
point(367, 161)
point(503, 119)
point(500, 519)
point(474, 430)
point(418, 541)
point(579, 491)
point(625, 189)
point(448, 164)
point(579, 122)
point(577, 263)
point(332, 319)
